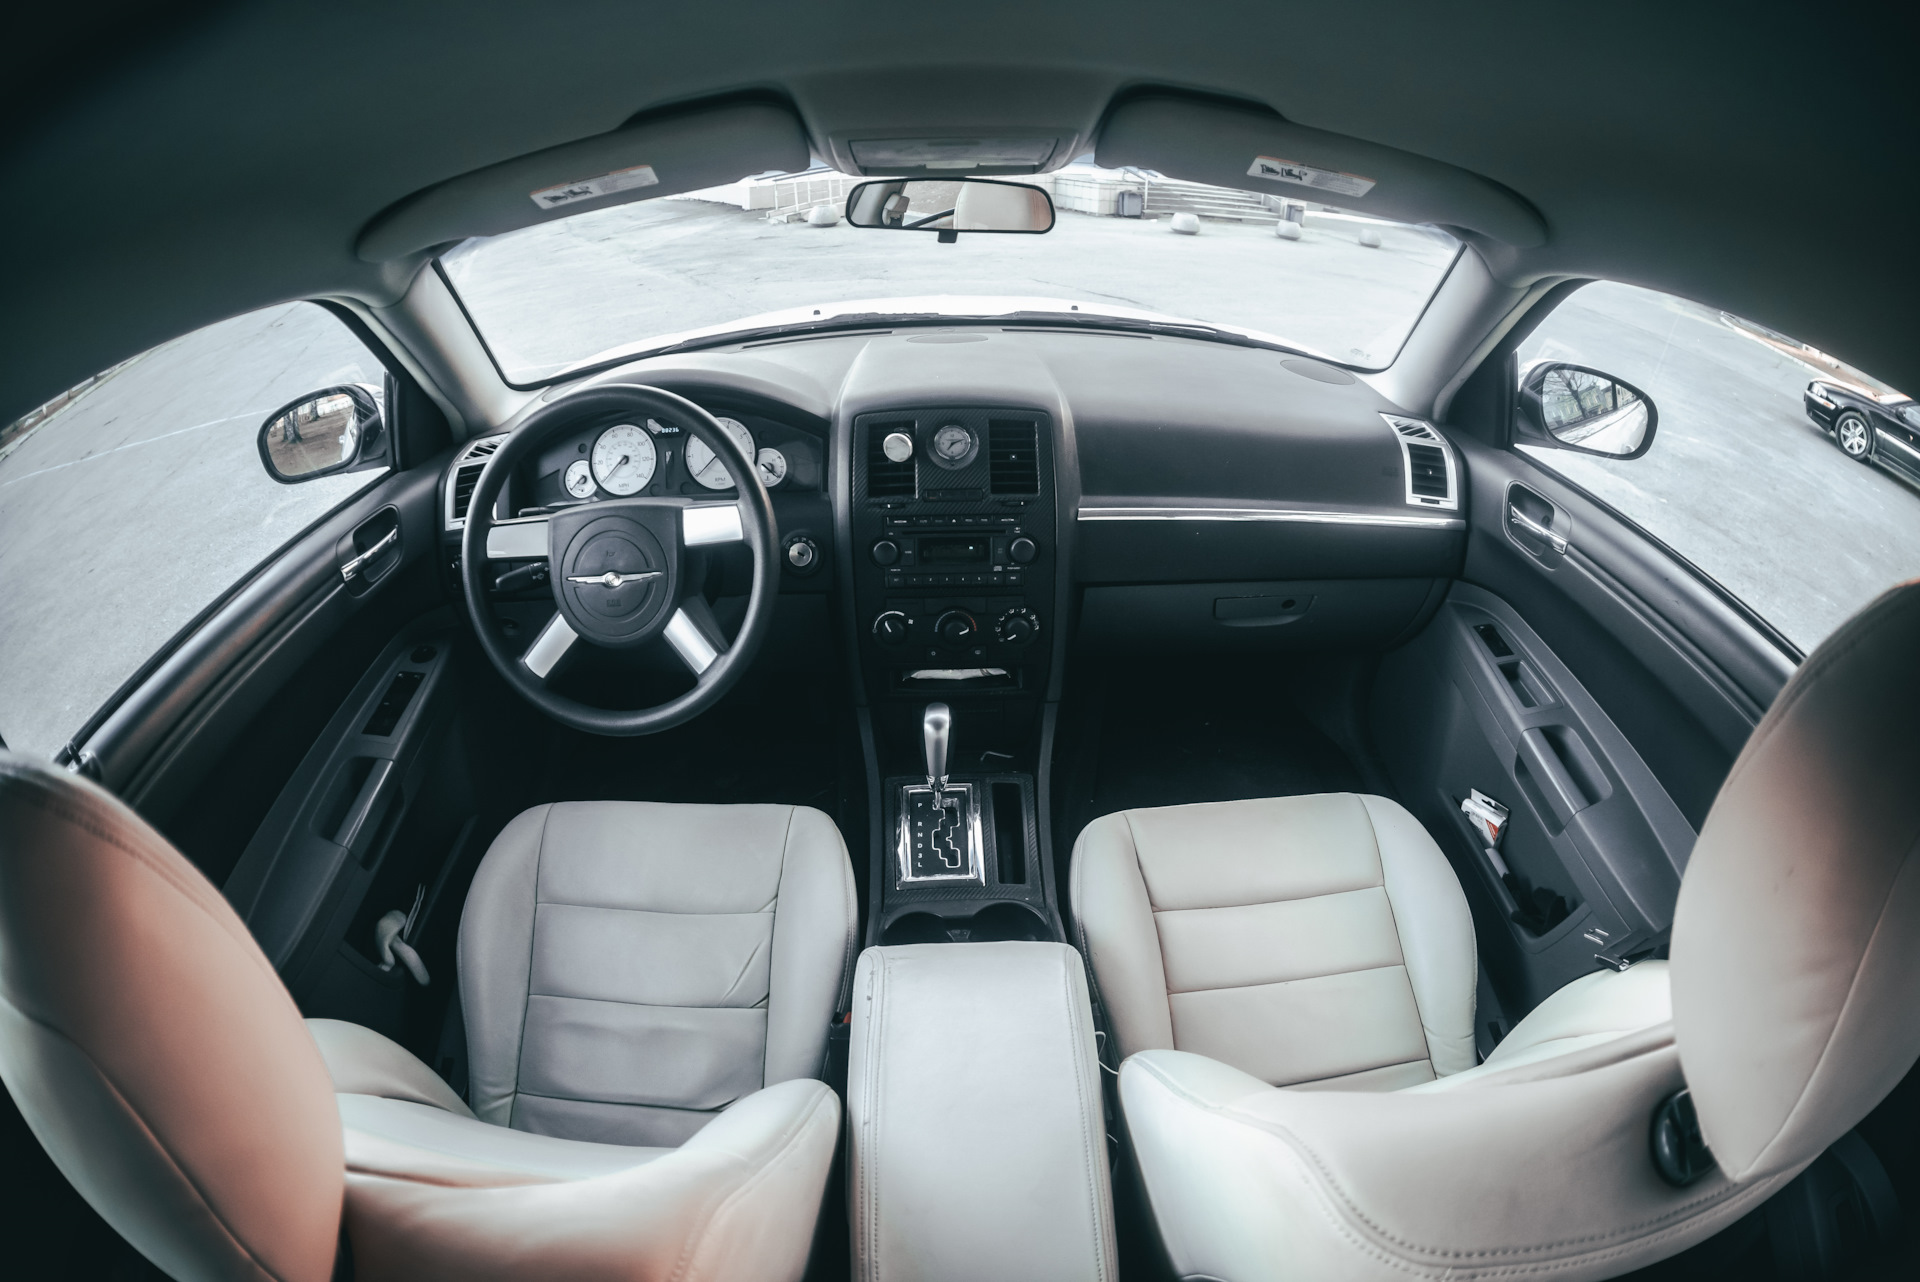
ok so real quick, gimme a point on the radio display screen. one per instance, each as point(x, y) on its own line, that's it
point(960, 549)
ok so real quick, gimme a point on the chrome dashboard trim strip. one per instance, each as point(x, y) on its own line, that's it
point(1305, 516)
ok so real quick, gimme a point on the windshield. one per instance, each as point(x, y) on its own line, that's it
point(774, 252)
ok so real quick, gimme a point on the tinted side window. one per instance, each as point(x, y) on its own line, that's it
point(130, 504)
point(1747, 476)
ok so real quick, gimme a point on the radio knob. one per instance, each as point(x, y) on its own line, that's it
point(1016, 627)
point(1023, 550)
point(956, 628)
point(885, 552)
point(890, 628)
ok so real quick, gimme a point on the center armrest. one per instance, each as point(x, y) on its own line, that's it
point(973, 1098)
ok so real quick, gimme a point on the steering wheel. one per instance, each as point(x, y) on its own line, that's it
point(617, 565)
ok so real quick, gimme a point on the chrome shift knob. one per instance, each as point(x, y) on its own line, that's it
point(933, 728)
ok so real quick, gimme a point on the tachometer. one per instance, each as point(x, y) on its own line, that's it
point(705, 466)
point(772, 466)
point(623, 459)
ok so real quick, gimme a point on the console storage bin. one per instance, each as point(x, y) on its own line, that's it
point(974, 1116)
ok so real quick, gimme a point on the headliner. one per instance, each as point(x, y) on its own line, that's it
point(167, 165)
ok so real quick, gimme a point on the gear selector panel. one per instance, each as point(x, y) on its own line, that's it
point(939, 838)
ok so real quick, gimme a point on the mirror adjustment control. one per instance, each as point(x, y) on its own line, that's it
point(890, 628)
point(885, 552)
point(1023, 550)
point(1017, 626)
point(956, 628)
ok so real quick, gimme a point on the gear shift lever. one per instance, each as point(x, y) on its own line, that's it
point(934, 727)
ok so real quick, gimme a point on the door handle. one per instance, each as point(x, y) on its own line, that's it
point(352, 568)
point(1558, 542)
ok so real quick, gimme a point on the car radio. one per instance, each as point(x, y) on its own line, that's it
point(984, 550)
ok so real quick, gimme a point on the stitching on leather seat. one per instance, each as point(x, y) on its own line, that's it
point(1077, 1050)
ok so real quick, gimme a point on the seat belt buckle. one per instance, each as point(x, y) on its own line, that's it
point(839, 1042)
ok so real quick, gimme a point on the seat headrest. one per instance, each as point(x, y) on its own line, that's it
point(1796, 940)
point(151, 1047)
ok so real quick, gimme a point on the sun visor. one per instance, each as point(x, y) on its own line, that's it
point(1255, 149)
point(660, 155)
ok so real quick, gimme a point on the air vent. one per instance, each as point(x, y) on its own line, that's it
point(887, 479)
point(1427, 471)
point(1429, 468)
point(1013, 451)
point(466, 472)
point(464, 479)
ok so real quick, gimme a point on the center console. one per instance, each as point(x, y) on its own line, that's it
point(954, 556)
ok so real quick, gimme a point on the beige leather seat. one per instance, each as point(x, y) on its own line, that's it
point(1786, 1013)
point(647, 988)
point(1309, 941)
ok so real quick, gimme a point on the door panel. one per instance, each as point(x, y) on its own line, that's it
point(1587, 681)
point(1683, 670)
point(156, 744)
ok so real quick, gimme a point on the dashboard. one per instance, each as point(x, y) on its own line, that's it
point(966, 505)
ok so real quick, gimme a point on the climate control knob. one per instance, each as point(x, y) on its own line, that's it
point(1017, 626)
point(890, 628)
point(885, 552)
point(1023, 550)
point(956, 628)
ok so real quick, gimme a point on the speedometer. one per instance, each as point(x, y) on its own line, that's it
point(705, 466)
point(623, 459)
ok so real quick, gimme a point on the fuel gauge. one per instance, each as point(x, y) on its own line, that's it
point(579, 479)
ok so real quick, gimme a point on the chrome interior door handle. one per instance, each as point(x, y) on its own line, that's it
point(352, 568)
point(1558, 542)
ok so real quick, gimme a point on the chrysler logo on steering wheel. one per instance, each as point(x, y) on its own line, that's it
point(611, 579)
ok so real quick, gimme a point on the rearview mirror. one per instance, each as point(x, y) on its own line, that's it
point(1571, 407)
point(323, 433)
point(950, 206)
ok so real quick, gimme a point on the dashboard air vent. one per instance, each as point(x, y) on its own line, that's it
point(887, 479)
point(1427, 471)
point(1429, 468)
point(1013, 453)
point(466, 473)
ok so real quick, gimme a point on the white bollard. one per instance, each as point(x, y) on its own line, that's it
point(1370, 238)
point(827, 216)
point(1187, 224)
point(1287, 230)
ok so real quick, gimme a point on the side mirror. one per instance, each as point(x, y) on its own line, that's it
point(324, 433)
point(1571, 407)
point(950, 206)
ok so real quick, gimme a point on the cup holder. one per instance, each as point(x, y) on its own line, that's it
point(992, 924)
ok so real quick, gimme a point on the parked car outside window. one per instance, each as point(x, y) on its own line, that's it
point(1739, 481)
point(138, 499)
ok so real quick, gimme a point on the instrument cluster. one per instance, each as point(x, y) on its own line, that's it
point(659, 457)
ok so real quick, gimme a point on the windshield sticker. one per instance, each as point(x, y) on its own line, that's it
point(1274, 169)
point(604, 185)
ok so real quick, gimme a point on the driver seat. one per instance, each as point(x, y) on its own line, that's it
point(647, 988)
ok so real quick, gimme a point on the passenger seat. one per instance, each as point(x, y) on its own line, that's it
point(1316, 942)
